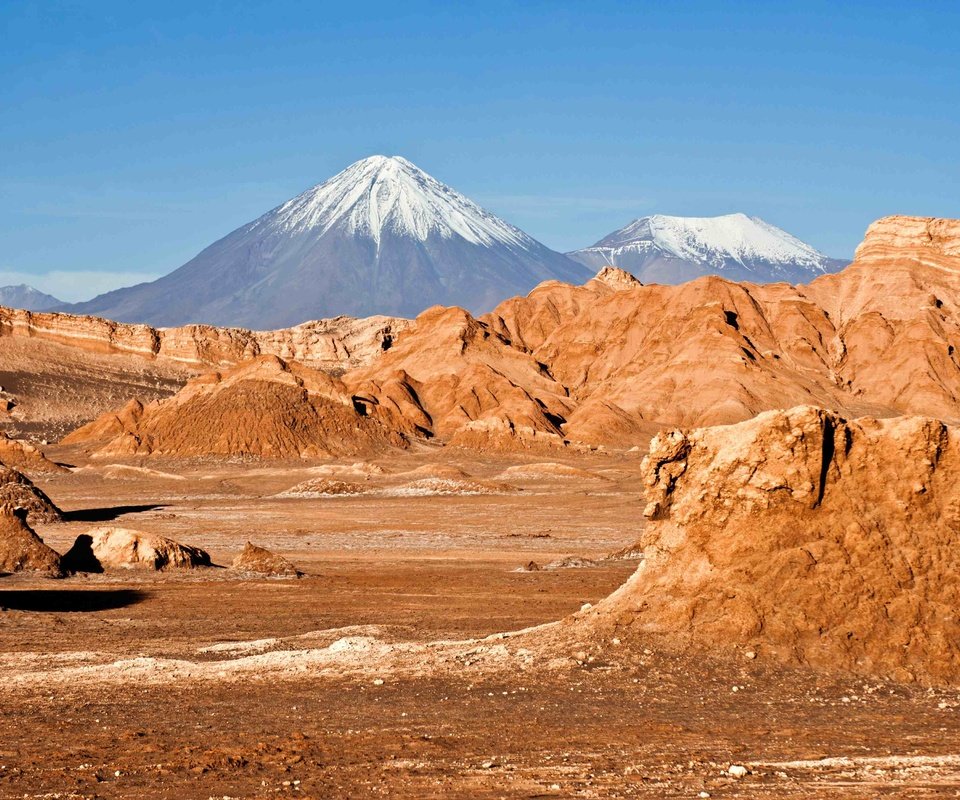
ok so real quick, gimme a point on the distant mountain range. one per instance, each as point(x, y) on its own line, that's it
point(381, 237)
point(384, 237)
point(671, 250)
point(23, 296)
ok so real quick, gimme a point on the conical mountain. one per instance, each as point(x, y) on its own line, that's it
point(671, 250)
point(26, 297)
point(381, 237)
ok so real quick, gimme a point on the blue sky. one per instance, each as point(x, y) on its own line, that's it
point(132, 137)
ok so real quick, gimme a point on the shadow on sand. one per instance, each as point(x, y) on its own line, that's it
point(68, 600)
point(106, 514)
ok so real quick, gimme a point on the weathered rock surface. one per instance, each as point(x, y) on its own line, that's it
point(453, 377)
point(120, 548)
point(263, 407)
point(878, 338)
point(18, 491)
point(261, 561)
point(805, 537)
point(21, 550)
point(334, 344)
point(25, 457)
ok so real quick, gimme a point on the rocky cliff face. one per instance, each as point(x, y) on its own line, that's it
point(333, 344)
point(804, 537)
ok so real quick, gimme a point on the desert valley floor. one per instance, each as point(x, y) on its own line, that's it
point(204, 684)
point(609, 540)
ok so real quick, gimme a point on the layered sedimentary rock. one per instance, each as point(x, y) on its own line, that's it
point(334, 344)
point(804, 537)
point(613, 361)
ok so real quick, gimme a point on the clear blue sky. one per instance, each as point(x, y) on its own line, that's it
point(133, 135)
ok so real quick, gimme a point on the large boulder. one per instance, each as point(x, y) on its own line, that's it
point(120, 548)
point(21, 550)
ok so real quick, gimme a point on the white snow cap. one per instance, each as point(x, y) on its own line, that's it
point(713, 240)
point(388, 193)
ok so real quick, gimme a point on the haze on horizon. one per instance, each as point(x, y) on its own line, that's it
point(134, 140)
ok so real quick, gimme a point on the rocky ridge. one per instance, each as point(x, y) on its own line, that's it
point(613, 361)
point(333, 344)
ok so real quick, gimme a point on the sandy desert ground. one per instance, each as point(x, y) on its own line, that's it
point(376, 674)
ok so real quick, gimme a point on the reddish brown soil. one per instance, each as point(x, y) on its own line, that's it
point(419, 568)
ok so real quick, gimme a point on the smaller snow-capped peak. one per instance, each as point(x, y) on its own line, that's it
point(389, 193)
point(26, 297)
point(715, 240)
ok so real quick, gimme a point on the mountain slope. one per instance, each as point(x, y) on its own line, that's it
point(381, 237)
point(27, 298)
point(671, 250)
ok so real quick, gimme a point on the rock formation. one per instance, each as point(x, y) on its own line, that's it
point(119, 548)
point(804, 537)
point(613, 361)
point(21, 550)
point(18, 491)
point(260, 561)
point(453, 377)
point(332, 344)
point(263, 407)
point(25, 457)
point(878, 338)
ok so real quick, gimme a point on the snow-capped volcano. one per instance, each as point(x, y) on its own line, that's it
point(664, 249)
point(381, 237)
point(381, 194)
point(23, 296)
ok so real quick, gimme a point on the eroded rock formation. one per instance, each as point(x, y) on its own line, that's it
point(102, 549)
point(804, 537)
point(260, 561)
point(334, 344)
point(613, 361)
point(263, 407)
point(25, 457)
point(21, 550)
point(18, 491)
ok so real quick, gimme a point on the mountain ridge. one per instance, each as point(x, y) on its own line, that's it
point(612, 361)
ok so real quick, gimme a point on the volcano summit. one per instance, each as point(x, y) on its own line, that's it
point(381, 237)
